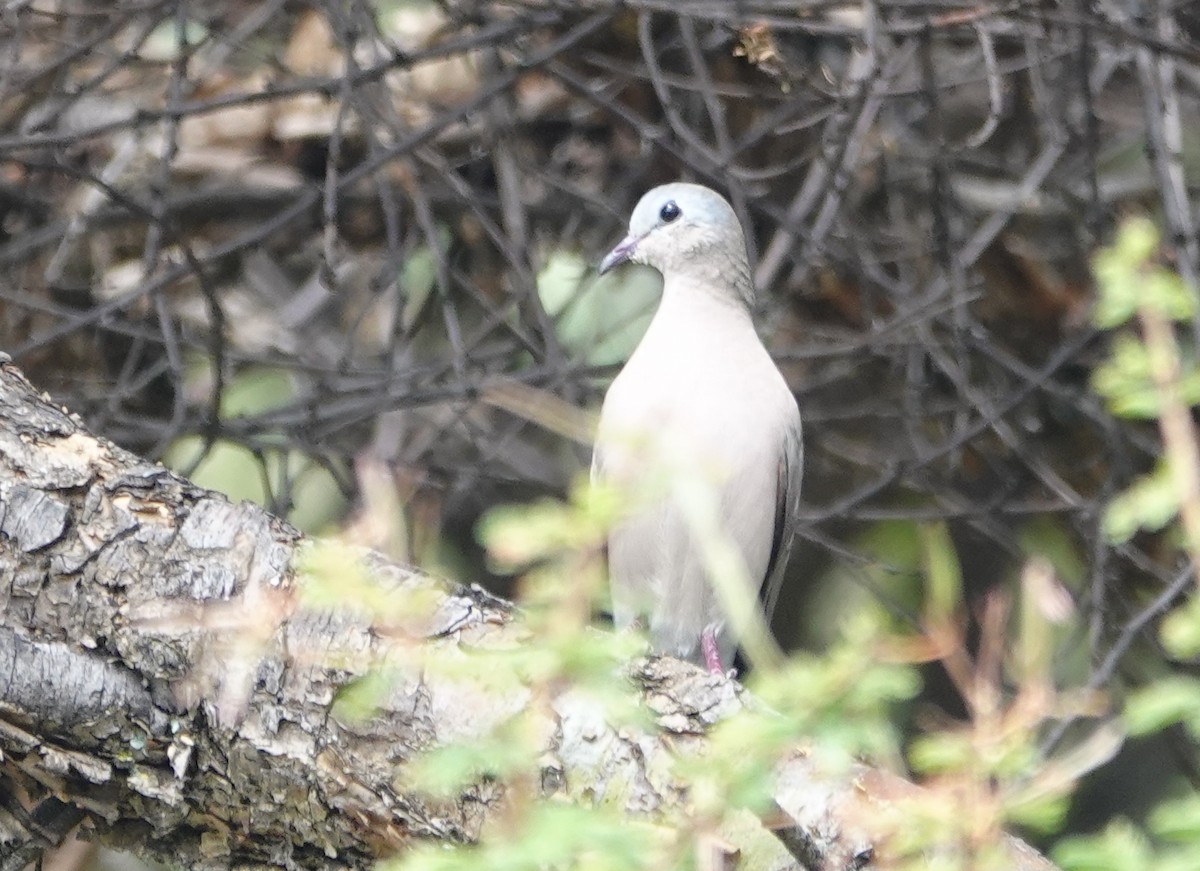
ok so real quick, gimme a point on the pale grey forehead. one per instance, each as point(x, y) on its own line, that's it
point(697, 203)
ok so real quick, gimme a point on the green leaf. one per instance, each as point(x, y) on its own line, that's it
point(450, 769)
point(600, 319)
point(939, 752)
point(359, 700)
point(1163, 703)
point(1178, 820)
point(1045, 814)
point(1120, 847)
point(1125, 379)
point(1180, 630)
point(1128, 279)
point(255, 476)
point(164, 44)
point(1118, 274)
point(1166, 292)
point(1150, 503)
point(418, 278)
point(943, 573)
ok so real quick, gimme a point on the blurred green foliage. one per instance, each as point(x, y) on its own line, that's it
point(599, 319)
point(843, 701)
point(269, 473)
point(1136, 292)
point(1130, 278)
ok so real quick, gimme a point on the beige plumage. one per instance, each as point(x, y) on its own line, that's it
point(700, 391)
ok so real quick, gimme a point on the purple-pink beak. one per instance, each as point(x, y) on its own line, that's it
point(620, 254)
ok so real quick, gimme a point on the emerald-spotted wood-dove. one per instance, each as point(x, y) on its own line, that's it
point(700, 392)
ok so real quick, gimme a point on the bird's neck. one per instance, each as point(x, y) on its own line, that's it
point(725, 297)
point(716, 270)
point(693, 320)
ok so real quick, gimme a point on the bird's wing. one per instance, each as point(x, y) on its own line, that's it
point(787, 505)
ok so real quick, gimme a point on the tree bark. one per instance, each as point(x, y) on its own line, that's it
point(163, 686)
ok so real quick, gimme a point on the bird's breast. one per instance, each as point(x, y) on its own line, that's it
point(706, 410)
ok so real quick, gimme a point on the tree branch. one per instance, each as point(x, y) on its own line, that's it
point(162, 681)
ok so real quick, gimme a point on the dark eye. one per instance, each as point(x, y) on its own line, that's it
point(669, 212)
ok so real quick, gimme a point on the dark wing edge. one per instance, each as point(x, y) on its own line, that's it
point(787, 507)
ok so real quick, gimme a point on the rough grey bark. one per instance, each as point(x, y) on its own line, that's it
point(161, 683)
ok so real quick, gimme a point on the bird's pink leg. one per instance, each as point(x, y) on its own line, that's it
point(708, 645)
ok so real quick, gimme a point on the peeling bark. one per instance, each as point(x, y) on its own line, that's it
point(160, 683)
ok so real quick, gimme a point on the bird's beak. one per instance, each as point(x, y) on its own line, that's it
point(620, 254)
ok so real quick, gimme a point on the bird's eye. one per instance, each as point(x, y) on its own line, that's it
point(669, 212)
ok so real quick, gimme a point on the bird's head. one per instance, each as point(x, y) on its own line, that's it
point(677, 228)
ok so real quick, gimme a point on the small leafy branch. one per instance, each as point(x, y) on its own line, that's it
point(1148, 376)
point(1151, 373)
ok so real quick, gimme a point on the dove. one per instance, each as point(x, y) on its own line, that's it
point(701, 393)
